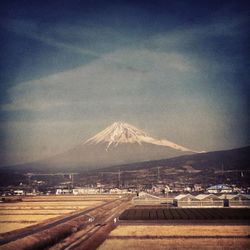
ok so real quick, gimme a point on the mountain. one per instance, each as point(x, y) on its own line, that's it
point(120, 143)
point(120, 132)
point(223, 160)
point(227, 166)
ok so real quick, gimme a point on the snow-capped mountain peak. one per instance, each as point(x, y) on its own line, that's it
point(118, 132)
point(121, 132)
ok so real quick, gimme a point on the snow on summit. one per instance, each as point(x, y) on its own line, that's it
point(121, 132)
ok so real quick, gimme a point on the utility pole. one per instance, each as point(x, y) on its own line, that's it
point(119, 178)
point(72, 180)
point(223, 173)
point(158, 174)
point(241, 174)
point(29, 179)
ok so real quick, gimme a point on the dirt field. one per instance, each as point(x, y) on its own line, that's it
point(33, 210)
point(186, 244)
point(181, 230)
point(178, 237)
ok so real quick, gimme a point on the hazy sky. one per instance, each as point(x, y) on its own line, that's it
point(176, 69)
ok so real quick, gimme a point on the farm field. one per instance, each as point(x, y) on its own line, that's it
point(72, 197)
point(160, 213)
point(181, 230)
point(186, 244)
point(177, 237)
point(33, 210)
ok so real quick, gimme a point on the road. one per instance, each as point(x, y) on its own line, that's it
point(95, 232)
point(39, 228)
point(68, 232)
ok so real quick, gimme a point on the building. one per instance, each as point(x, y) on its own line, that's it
point(61, 191)
point(118, 191)
point(210, 200)
point(188, 189)
point(220, 189)
point(86, 190)
point(186, 200)
point(19, 192)
point(198, 188)
point(237, 200)
point(144, 198)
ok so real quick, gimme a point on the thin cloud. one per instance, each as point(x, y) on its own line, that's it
point(31, 30)
point(51, 36)
point(100, 79)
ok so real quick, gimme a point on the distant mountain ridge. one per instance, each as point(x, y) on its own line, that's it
point(207, 168)
point(222, 160)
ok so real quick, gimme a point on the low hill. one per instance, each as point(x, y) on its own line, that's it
point(227, 166)
point(234, 159)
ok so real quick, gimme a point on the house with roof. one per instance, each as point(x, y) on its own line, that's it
point(220, 189)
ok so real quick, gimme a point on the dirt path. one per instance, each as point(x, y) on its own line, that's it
point(143, 237)
point(95, 233)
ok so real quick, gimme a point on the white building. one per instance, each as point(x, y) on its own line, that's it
point(221, 188)
point(86, 190)
point(198, 188)
point(61, 191)
point(19, 192)
point(118, 191)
